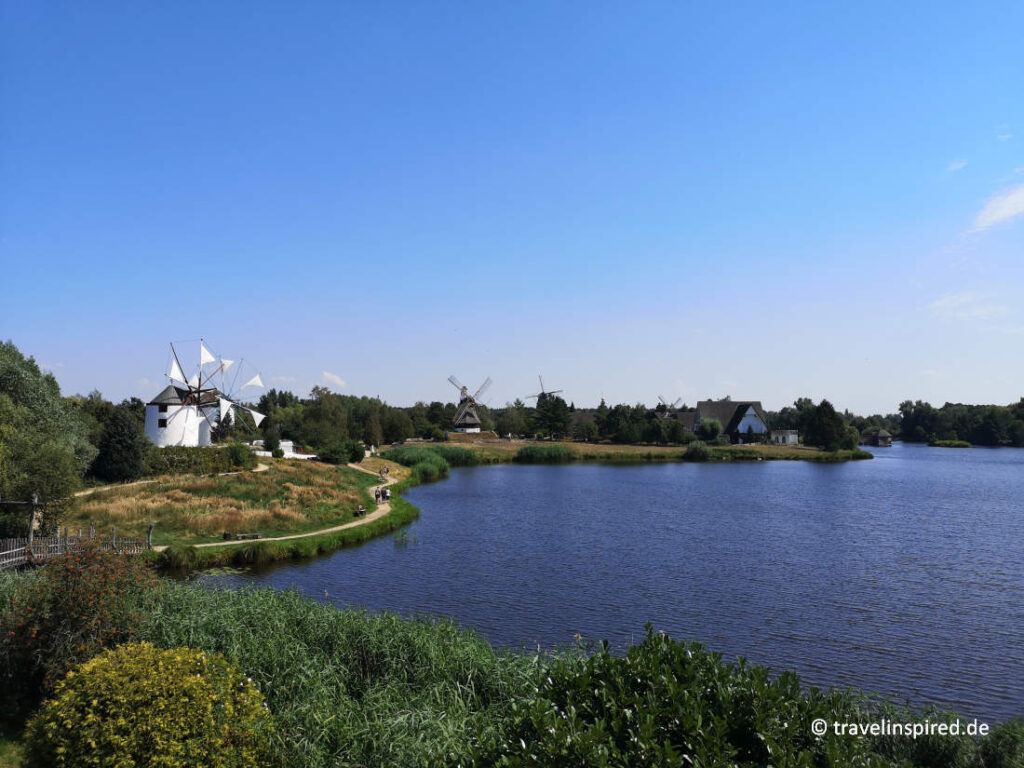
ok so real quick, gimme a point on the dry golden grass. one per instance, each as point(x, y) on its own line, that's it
point(286, 497)
point(396, 471)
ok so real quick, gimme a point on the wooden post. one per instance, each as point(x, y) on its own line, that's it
point(113, 537)
point(32, 522)
point(149, 536)
point(92, 531)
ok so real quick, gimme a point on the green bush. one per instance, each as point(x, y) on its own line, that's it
point(80, 604)
point(342, 452)
point(456, 456)
point(1004, 746)
point(666, 703)
point(427, 464)
point(709, 429)
point(544, 454)
point(277, 453)
point(139, 705)
point(949, 444)
point(179, 557)
point(180, 460)
point(240, 456)
point(697, 451)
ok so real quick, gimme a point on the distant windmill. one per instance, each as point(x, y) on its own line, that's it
point(466, 418)
point(544, 394)
point(188, 409)
point(670, 408)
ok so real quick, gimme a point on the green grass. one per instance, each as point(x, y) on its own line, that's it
point(346, 687)
point(949, 444)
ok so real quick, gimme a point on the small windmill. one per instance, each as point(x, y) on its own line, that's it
point(544, 394)
point(670, 408)
point(190, 407)
point(466, 417)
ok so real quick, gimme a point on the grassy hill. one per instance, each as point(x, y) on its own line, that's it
point(289, 497)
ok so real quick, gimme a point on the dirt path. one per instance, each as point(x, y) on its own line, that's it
point(381, 510)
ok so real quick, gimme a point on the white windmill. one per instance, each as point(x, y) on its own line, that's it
point(188, 409)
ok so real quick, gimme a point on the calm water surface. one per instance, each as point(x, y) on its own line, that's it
point(903, 575)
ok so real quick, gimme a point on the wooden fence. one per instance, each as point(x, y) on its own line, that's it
point(38, 549)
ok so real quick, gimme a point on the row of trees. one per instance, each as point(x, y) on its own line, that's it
point(977, 424)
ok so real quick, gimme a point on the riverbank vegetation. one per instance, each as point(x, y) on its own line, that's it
point(949, 444)
point(352, 688)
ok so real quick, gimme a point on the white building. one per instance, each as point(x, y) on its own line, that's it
point(179, 417)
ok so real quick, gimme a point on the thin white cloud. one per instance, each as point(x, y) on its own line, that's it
point(1003, 132)
point(283, 379)
point(1002, 207)
point(966, 305)
point(333, 380)
point(957, 165)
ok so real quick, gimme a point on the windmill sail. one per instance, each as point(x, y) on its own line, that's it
point(225, 363)
point(225, 406)
point(256, 417)
point(204, 355)
point(255, 381)
point(176, 373)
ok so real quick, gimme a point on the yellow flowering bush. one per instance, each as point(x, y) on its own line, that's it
point(138, 705)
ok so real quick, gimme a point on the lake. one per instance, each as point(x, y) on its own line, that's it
point(902, 576)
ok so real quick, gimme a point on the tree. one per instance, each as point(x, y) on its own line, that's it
point(397, 425)
point(709, 429)
point(512, 419)
point(44, 440)
point(826, 428)
point(122, 449)
point(373, 434)
point(552, 416)
point(324, 419)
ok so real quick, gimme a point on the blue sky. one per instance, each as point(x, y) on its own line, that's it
point(760, 200)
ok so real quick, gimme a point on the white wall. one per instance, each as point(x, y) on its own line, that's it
point(185, 426)
point(752, 420)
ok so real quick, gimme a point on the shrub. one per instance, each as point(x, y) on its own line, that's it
point(427, 464)
point(180, 460)
point(80, 604)
point(277, 453)
point(240, 456)
point(139, 705)
point(709, 429)
point(669, 703)
point(342, 452)
point(697, 451)
point(544, 454)
point(1003, 747)
point(456, 456)
point(180, 557)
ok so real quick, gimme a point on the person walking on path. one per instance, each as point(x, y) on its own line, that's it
point(376, 494)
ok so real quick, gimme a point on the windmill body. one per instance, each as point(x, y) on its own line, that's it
point(466, 417)
point(189, 407)
point(172, 418)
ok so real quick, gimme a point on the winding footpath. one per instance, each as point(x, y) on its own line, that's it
point(382, 509)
